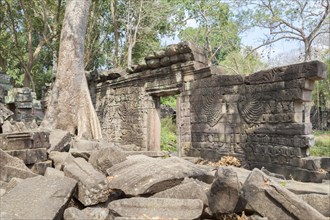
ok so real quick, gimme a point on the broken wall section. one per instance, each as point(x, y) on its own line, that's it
point(128, 103)
point(263, 118)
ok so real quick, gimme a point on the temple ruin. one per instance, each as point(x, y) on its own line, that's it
point(262, 119)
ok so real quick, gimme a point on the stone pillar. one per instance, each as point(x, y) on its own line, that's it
point(154, 126)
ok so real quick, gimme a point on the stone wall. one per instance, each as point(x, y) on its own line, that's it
point(262, 118)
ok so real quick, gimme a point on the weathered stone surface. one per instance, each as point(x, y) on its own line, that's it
point(188, 189)
point(105, 158)
point(163, 208)
point(273, 201)
point(140, 175)
point(59, 158)
point(87, 213)
point(30, 156)
point(53, 172)
point(224, 193)
point(13, 167)
point(293, 186)
point(13, 183)
point(5, 113)
point(92, 185)
point(320, 202)
point(111, 74)
point(24, 140)
point(40, 167)
point(37, 198)
point(58, 140)
point(262, 119)
point(147, 153)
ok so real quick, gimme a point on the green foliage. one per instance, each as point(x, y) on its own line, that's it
point(216, 32)
point(242, 62)
point(321, 93)
point(168, 135)
point(322, 144)
point(169, 101)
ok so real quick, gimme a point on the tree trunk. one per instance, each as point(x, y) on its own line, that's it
point(115, 32)
point(70, 107)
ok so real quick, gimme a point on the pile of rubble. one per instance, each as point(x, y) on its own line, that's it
point(50, 175)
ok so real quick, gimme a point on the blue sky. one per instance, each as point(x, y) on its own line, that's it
point(253, 38)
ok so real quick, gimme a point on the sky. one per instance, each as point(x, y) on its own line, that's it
point(253, 38)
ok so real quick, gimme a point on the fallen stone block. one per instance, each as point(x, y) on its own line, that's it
point(162, 208)
point(320, 202)
point(40, 167)
point(87, 213)
point(59, 158)
point(105, 158)
point(223, 196)
point(273, 201)
point(93, 186)
point(141, 175)
point(12, 183)
point(30, 156)
point(37, 198)
point(24, 140)
point(189, 189)
point(53, 172)
point(292, 185)
point(13, 167)
point(147, 153)
point(58, 140)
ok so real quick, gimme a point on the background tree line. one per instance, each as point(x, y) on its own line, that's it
point(121, 32)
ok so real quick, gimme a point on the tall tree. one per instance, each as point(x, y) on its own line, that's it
point(70, 106)
point(30, 25)
point(242, 62)
point(215, 30)
point(296, 20)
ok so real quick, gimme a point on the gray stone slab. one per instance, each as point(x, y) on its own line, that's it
point(58, 140)
point(105, 158)
point(40, 167)
point(37, 198)
point(140, 175)
point(30, 156)
point(60, 158)
point(93, 186)
point(223, 196)
point(13, 167)
point(88, 213)
point(188, 189)
point(162, 208)
point(292, 185)
point(273, 201)
point(53, 172)
point(24, 140)
point(320, 202)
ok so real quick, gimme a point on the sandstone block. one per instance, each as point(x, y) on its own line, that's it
point(53, 172)
point(58, 140)
point(163, 208)
point(273, 201)
point(87, 213)
point(40, 167)
point(13, 167)
point(320, 202)
point(30, 156)
point(224, 193)
point(139, 175)
point(60, 158)
point(105, 158)
point(189, 189)
point(92, 185)
point(37, 198)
